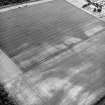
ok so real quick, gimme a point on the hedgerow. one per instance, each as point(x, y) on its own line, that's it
point(7, 2)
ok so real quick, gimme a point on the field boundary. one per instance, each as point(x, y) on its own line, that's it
point(23, 5)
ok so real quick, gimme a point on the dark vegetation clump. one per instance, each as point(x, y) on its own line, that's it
point(98, 5)
point(5, 98)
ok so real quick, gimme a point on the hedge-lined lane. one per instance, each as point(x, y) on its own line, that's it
point(7, 2)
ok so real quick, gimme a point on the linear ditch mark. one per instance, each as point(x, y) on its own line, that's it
point(36, 64)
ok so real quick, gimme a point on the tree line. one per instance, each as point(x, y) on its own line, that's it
point(7, 2)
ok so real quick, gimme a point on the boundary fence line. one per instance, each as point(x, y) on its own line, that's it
point(23, 5)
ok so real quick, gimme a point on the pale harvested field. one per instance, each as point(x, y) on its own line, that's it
point(89, 9)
